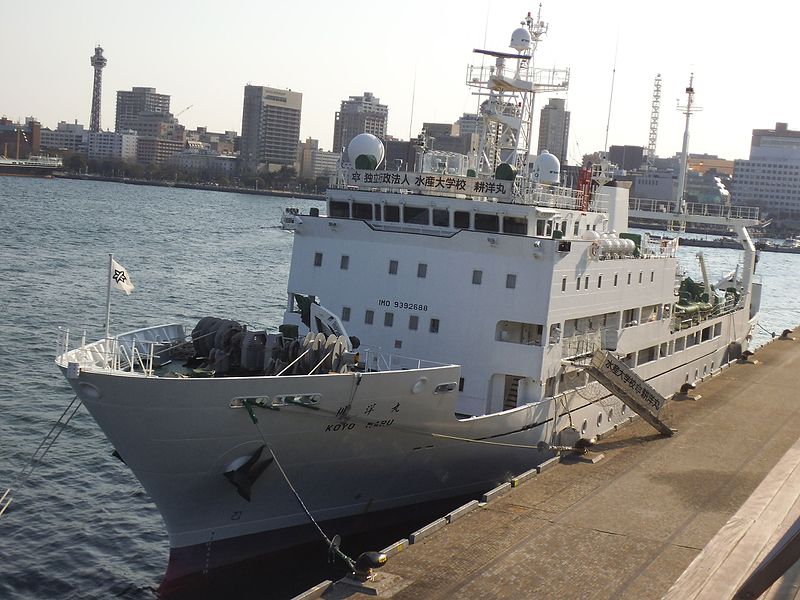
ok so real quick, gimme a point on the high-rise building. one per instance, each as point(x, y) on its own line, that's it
point(359, 114)
point(554, 129)
point(98, 61)
point(270, 126)
point(138, 100)
point(771, 177)
point(313, 162)
point(102, 145)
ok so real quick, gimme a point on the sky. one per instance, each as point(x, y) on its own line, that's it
point(413, 57)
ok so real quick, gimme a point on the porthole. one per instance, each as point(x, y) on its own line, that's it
point(585, 426)
point(624, 408)
point(610, 414)
point(599, 419)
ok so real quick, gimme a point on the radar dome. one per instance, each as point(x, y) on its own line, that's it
point(521, 40)
point(365, 151)
point(546, 168)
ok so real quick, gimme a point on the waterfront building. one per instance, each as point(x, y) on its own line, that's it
point(20, 140)
point(313, 162)
point(112, 145)
point(204, 164)
point(160, 136)
point(140, 99)
point(628, 158)
point(770, 178)
point(554, 129)
point(66, 136)
point(221, 143)
point(270, 126)
point(359, 114)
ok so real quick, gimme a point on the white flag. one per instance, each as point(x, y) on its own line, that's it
point(120, 278)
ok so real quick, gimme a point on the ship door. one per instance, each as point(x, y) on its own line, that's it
point(511, 392)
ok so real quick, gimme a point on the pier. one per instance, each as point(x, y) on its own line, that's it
point(640, 516)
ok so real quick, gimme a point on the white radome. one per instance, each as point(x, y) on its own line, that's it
point(368, 145)
point(520, 39)
point(547, 168)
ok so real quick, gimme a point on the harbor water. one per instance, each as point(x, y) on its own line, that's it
point(82, 527)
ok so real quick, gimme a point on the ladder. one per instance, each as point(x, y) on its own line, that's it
point(620, 380)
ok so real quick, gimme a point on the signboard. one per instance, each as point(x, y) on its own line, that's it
point(429, 183)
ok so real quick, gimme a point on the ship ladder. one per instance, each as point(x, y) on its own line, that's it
point(38, 455)
point(625, 384)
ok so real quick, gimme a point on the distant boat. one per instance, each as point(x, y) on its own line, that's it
point(34, 166)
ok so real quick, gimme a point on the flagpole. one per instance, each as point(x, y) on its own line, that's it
point(108, 296)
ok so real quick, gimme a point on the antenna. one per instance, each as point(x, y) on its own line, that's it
point(413, 95)
point(651, 140)
point(611, 96)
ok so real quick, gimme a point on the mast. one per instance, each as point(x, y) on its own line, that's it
point(680, 203)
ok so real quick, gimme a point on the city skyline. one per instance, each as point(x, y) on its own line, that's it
point(212, 51)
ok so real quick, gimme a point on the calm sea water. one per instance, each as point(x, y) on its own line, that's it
point(82, 527)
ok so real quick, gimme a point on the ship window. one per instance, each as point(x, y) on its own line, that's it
point(586, 283)
point(515, 225)
point(652, 276)
point(578, 284)
point(377, 212)
point(339, 209)
point(540, 227)
point(717, 333)
point(640, 277)
point(575, 227)
point(616, 276)
point(706, 335)
point(629, 278)
point(599, 281)
point(563, 227)
point(369, 317)
point(345, 313)
point(484, 222)
point(392, 267)
point(361, 210)
point(344, 264)
point(477, 277)
point(391, 214)
point(422, 270)
point(415, 214)
point(317, 259)
point(461, 219)
point(441, 217)
point(460, 384)
point(514, 332)
point(564, 284)
point(434, 328)
point(413, 322)
point(398, 344)
point(388, 319)
point(511, 281)
point(549, 228)
point(680, 344)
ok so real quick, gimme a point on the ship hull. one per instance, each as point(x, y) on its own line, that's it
point(374, 443)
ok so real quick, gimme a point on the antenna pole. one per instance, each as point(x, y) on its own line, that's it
point(611, 96)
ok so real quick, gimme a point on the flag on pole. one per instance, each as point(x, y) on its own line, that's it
point(120, 278)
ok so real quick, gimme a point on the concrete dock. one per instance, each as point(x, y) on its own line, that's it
point(629, 525)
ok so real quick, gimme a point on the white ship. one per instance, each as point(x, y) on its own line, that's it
point(482, 265)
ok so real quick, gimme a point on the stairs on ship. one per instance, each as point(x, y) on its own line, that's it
point(620, 380)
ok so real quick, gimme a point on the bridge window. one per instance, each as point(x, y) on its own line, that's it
point(391, 214)
point(441, 217)
point(339, 209)
point(422, 270)
point(484, 222)
point(393, 267)
point(362, 210)
point(345, 313)
point(344, 264)
point(514, 332)
point(317, 259)
point(369, 317)
point(377, 212)
point(461, 219)
point(511, 281)
point(518, 225)
point(477, 277)
point(416, 215)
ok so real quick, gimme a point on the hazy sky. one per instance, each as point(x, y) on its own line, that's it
point(202, 53)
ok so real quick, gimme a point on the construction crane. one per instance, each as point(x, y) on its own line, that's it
point(184, 110)
point(651, 142)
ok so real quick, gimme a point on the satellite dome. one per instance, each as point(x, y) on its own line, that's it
point(521, 39)
point(547, 168)
point(365, 151)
